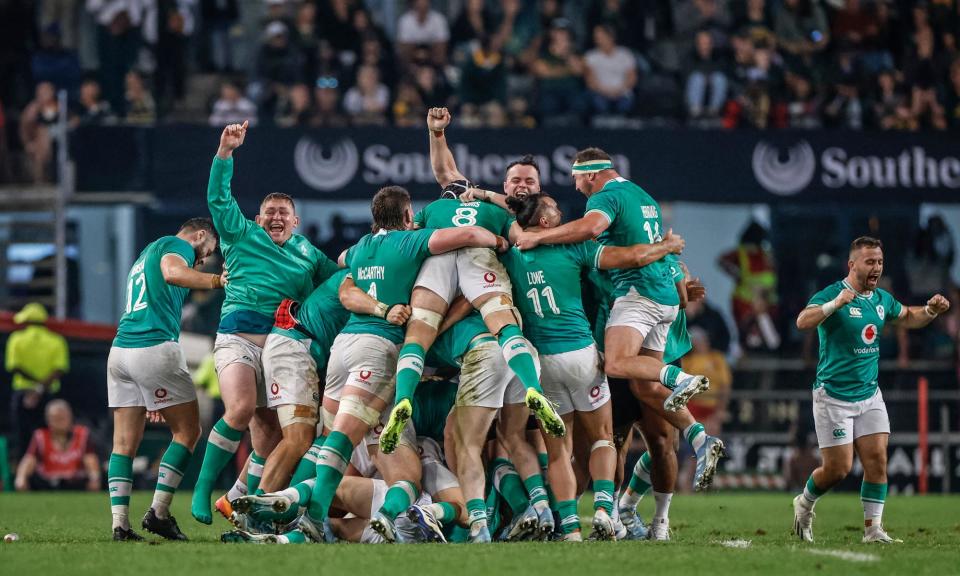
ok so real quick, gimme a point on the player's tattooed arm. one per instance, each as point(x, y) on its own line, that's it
point(590, 226)
point(448, 239)
point(919, 316)
point(176, 272)
point(441, 159)
point(359, 302)
point(813, 315)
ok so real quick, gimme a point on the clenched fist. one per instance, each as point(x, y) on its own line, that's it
point(438, 119)
point(231, 139)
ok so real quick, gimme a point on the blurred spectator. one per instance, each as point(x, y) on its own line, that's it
point(37, 358)
point(475, 21)
point(39, 118)
point(845, 108)
point(305, 38)
point(367, 29)
point(118, 41)
point(93, 109)
point(952, 100)
point(710, 407)
point(700, 314)
point(754, 18)
point(626, 17)
point(752, 103)
point(367, 102)
point(326, 95)
point(890, 106)
point(853, 23)
point(64, 14)
point(139, 103)
point(518, 113)
point(17, 40)
point(232, 107)
point(55, 64)
point(706, 79)
point(801, 109)
point(167, 28)
point(279, 62)
point(483, 79)
point(559, 70)
point(61, 456)
point(335, 20)
point(610, 72)
point(754, 303)
point(295, 108)
point(422, 26)
point(408, 108)
point(432, 86)
point(923, 72)
point(689, 16)
point(218, 17)
point(373, 53)
point(878, 39)
point(802, 30)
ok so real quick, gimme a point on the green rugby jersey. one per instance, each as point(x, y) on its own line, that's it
point(450, 213)
point(385, 266)
point(597, 300)
point(261, 273)
point(634, 218)
point(850, 342)
point(432, 403)
point(546, 285)
point(450, 346)
point(323, 316)
point(152, 313)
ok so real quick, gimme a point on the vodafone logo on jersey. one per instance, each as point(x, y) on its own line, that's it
point(869, 334)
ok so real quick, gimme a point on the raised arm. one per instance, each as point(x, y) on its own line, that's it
point(640, 255)
point(919, 316)
point(449, 239)
point(441, 159)
point(359, 302)
point(224, 209)
point(176, 272)
point(590, 226)
point(812, 316)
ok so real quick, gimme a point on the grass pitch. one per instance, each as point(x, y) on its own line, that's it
point(69, 533)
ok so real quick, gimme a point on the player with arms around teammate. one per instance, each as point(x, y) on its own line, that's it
point(848, 408)
point(146, 370)
point(384, 264)
point(549, 277)
point(645, 300)
point(267, 263)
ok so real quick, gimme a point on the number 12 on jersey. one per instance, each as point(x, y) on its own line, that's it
point(547, 292)
point(141, 281)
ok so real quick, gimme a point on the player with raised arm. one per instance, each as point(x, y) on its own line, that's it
point(480, 277)
point(848, 408)
point(646, 301)
point(146, 371)
point(549, 277)
point(384, 264)
point(267, 263)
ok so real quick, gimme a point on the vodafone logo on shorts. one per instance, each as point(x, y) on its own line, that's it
point(869, 334)
point(364, 374)
point(595, 392)
point(274, 388)
point(490, 277)
point(160, 393)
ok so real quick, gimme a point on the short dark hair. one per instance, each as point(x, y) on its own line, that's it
point(279, 196)
point(525, 160)
point(205, 224)
point(865, 242)
point(528, 209)
point(388, 207)
point(592, 153)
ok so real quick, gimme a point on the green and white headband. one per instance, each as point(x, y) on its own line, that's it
point(591, 166)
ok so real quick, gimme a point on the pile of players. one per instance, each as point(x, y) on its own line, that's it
point(461, 374)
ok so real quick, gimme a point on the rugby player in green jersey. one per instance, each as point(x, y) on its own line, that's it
point(146, 371)
point(362, 367)
point(267, 263)
point(480, 277)
point(848, 408)
point(646, 301)
point(549, 277)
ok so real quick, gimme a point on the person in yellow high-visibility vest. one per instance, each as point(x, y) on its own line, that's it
point(37, 358)
point(754, 299)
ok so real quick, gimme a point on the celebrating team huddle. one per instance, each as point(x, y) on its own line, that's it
point(460, 374)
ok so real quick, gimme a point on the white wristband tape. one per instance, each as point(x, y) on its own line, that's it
point(930, 312)
point(381, 310)
point(829, 308)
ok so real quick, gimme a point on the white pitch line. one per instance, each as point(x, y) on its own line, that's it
point(846, 555)
point(736, 543)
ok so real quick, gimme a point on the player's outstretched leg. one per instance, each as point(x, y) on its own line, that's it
point(709, 450)
point(222, 444)
point(683, 387)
